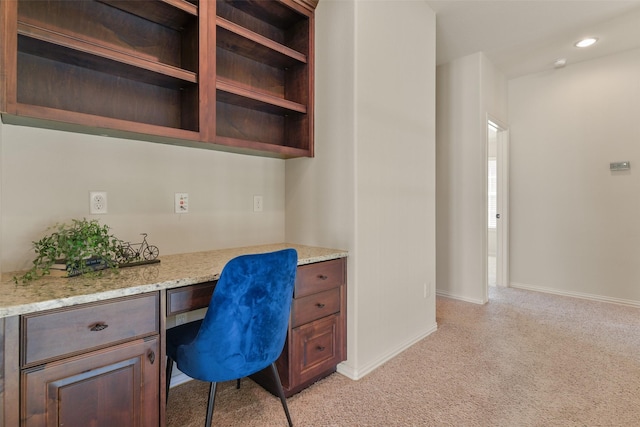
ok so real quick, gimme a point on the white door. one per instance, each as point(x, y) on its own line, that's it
point(497, 204)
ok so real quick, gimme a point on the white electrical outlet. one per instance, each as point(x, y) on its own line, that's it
point(257, 203)
point(182, 203)
point(98, 202)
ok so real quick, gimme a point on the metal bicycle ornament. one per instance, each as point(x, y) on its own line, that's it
point(135, 252)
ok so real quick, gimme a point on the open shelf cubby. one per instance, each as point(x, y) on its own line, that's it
point(264, 75)
point(99, 58)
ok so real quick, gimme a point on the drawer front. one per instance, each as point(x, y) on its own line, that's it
point(316, 306)
point(318, 277)
point(52, 335)
point(189, 298)
point(316, 348)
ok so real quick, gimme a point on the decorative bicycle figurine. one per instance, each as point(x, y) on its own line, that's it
point(140, 251)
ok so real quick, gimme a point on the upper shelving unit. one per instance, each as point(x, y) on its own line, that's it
point(147, 69)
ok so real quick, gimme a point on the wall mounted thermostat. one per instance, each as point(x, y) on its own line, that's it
point(619, 166)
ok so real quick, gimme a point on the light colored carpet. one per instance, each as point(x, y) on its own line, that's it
point(523, 359)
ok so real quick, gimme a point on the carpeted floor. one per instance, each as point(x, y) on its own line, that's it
point(523, 359)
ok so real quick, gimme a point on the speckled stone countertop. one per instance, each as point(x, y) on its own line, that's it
point(171, 272)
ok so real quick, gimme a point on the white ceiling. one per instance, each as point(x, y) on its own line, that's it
point(527, 36)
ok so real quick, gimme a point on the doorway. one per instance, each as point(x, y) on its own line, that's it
point(497, 204)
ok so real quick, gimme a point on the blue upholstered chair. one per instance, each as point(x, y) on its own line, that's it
point(245, 327)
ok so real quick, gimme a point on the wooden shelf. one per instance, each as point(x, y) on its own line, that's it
point(243, 96)
point(279, 16)
point(170, 13)
point(93, 124)
point(60, 47)
point(254, 147)
point(244, 42)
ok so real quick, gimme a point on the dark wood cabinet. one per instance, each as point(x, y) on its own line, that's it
point(316, 340)
point(118, 386)
point(229, 74)
point(95, 364)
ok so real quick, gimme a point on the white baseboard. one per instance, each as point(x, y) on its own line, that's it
point(357, 373)
point(458, 297)
point(178, 377)
point(592, 297)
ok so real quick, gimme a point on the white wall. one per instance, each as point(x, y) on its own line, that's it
point(47, 176)
point(575, 226)
point(371, 187)
point(468, 89)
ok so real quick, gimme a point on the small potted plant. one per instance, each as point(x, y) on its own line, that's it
point(79, 247)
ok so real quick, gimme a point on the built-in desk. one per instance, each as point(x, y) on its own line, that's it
point(62, 339)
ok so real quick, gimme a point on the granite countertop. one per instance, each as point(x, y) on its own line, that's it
point(171, 272)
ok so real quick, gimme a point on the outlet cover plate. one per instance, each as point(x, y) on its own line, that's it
point(257, 203)
point(98, 202)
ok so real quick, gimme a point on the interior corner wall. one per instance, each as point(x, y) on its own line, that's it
point(468, 89)
point(373, 176)
point(574, 223)
point(320, 192)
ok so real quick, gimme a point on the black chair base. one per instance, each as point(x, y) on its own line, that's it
point(213, 388)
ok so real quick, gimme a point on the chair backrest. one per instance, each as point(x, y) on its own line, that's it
point(245, 327)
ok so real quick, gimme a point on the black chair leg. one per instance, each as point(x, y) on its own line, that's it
point(169, 371)
point(212, 398)
point(276, 378)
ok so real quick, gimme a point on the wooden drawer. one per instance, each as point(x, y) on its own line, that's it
point(318, 277)
point(60, 333)
point(316, 306)
point(189, 298)
point(316, 348)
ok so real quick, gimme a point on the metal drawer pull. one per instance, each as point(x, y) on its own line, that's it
point(322, 277)
point(320, 348)
point(320, 305)
point(152, 357)
point(99, 327)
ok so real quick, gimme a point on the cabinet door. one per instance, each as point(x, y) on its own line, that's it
point(316, 349)
point(118, 386)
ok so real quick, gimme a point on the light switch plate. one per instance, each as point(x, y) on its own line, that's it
point(182, 203)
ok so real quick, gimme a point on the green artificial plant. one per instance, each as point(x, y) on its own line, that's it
point(74, 243)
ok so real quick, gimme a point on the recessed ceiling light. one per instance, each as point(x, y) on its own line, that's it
point(586, 42)
point(559, 63)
